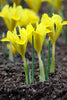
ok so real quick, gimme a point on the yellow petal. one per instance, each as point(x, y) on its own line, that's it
point(46, 20)
point(42, 30)
point(34, 4)
point(11, 37)
point(22, 49)
point(20, 42)
point(64, 23)
point(15, 18)
point(23, 34)
point(51, 36)
point(60, 29)
point(38, 42)
point(5, 39)
point(56, 20)
point(58, 33)
point(0, 13)
point(30, 31)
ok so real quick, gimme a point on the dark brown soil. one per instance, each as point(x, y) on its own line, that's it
point(12, 76)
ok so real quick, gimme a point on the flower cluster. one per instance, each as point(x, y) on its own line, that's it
point(25, 25)
point(16, 15)
point(51, 25)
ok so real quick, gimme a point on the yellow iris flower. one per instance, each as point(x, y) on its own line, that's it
point(18, 41)
point(17, 2)
point(27, 16)
point(39, 35)
point(10, 15)
point(54, 24)
point(34, 4)
point(56, 4)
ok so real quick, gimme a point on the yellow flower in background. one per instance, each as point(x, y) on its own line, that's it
point(56, 4)
point(34, 4)
point(54, 24)
point(16, 15)
point(13, 49)
point(10, 15)
point(17, 2)
point(18, 41)
point(28, 16)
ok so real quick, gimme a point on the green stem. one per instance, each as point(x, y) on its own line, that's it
point(28, 74)
point(32, 59)
point(64, 35)
point(3, 46)
point(11, 53)
point(45, 69)
point(49, 56)
point(42, 74)
point(52, 68)
point(26, 69)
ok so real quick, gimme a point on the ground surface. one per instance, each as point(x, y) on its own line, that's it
point(12, 76)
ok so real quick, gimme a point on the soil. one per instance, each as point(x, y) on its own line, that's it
point(12, 75)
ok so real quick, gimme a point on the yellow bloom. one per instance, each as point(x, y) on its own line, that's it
point(54, 24)
point(10, 15)
point(56, 4)
point(34, 4)
point(39, 35)
point(18, 41)
point(30, 30)
point(14, 16)
point(27, 16)
point(13, 48)
point(17, 2)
